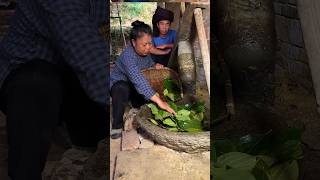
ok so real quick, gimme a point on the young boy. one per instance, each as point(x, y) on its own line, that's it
point(163, 37)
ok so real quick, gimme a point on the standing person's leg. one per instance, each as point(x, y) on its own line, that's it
point(120, 96)
point(136, 99)
point(32, 96)
point(87, 122)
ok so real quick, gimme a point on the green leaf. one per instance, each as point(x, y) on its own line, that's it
point(164, 114)
point(169, 122)
point(172, 89)
point(153, 108)
point(289, 150)
point(286, 171)
point(165, 92)
point(173, 106)
point(198, 107)
point(153, 121)
point(261, 170)
point(237, 160)
point(158, 117)
point(231, 174)
point(173, 129)
point(191, 126)
point(183, 115)
point(269, 161)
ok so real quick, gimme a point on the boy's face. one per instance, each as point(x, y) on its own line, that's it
point(163, 26)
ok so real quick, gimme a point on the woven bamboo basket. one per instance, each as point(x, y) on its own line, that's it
point(156, 78)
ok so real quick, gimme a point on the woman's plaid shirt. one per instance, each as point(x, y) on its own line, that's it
point(60, 32)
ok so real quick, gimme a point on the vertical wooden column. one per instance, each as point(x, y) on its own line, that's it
point(203, 44)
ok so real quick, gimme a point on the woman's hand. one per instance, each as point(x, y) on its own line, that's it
point(158, 66)
point(163, 105)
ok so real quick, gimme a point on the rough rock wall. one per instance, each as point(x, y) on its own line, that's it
point(293, 84)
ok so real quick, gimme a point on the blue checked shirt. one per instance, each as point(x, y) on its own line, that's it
point(128, 68)
point(60, 32)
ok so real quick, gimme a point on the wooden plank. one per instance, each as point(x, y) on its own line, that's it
point(203, 44)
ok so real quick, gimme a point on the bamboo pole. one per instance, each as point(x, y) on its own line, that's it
point(203, 44)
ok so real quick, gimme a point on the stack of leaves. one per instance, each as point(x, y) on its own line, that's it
point(188, 117)
point(171, 90)
point(272, 156)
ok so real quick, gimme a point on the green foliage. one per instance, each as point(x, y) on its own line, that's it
point(171, 89)
point(270, 156)
point(186, 119)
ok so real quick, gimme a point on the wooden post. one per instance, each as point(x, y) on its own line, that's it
point(183, 7)
point(203, 44)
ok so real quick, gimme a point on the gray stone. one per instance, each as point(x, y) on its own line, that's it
point(295, 33)
point(277, 7)
point(293, 2)
point(96, 166)
point(159, 163)
point(145, 143)
point(128, 119)
point(130, 140)
point(289, 51)
point(282, 26)
point(49, 169)
point(289, 11)
point(71, 166)
point(180, 141)
point(114, 150)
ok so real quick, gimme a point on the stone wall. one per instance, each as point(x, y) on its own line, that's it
point(290, 45)
point(293, 94)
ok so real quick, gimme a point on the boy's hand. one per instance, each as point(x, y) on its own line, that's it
point(158, 66)
point(163, 46)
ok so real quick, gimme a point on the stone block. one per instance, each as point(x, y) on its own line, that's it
point(283, 1)
point(159, 163)
point(293, 2)
point(146, 143)
point(282, 26)
point(289, 51)
point(295, 33)
point(114, 150)
point(290, 11)
point(277, 7)
point(130, 140)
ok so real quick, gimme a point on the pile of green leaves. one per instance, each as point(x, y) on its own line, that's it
point(188, 117)
point(272, 156)
point(171, 90)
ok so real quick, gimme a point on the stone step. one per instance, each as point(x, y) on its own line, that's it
point(130, 140)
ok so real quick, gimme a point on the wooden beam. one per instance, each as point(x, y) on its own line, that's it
point(203, 44)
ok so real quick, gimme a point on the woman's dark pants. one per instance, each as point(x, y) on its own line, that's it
point(121, 93)
point(36, 97)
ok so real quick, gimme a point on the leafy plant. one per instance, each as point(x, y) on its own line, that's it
point(186, 119)
point(171, 89)
point(269, 156)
